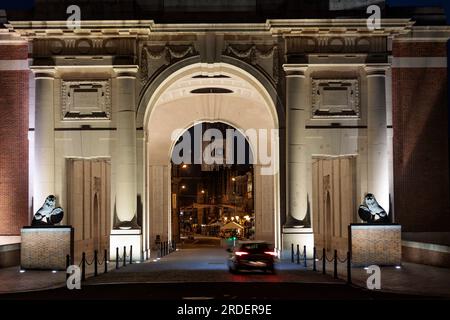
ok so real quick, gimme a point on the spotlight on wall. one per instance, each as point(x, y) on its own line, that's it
point(54, 271)
point(22, 271)
point(398, 267)
point(184, 166)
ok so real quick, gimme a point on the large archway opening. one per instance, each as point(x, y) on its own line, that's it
point(212, 186)
point(209, 93)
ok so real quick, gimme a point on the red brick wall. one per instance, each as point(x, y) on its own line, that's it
point(420, 122)
point(13, 141)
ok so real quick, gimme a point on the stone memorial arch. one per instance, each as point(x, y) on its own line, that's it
point(169, 104)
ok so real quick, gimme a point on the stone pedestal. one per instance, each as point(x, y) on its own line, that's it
point(46, 247)
point(300, 236)
point(375, 244)
point(125, 238)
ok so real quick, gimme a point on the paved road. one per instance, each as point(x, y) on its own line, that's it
point(203, 263)
point(198, 270)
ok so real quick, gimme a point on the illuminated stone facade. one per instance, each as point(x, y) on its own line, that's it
point(117, 89)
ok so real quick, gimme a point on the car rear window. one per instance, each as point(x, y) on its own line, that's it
point(254, 247)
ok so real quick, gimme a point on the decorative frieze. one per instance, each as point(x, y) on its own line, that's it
point(336, 44)
point(264, 57)
point(337, 98)
point(153, 58)
point(83, 46)
point(84, 100)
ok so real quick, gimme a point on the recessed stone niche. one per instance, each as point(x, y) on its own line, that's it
point(84, 100)
point(336, 98)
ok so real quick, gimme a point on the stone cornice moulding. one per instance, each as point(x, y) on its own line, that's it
point(126, 71)
point(376, 70)
point(43, 72)
point(311, 27)
point(295, 70)
point(288, 27)
point(426, 34)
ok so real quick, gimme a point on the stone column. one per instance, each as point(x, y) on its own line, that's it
point(126, 147)
point(297, 112)
point(377, 150)
point(44, 136)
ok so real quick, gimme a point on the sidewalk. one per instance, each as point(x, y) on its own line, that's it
point(409, 279)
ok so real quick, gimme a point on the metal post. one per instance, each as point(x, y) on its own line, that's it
point(304, 257)
point(124, 256)
point(335, 275)
point(314, 259)
point(131, 254)
point(349, 268)
point(95, 263)
point(67, 265)
point(105, 258)
point(83, 266)
point(324, 261)
point(117, 258)
point(292, 252)
point(298, 254)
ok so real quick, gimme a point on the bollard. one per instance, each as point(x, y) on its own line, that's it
point(349, 268)
point(117, 258)
point(292, 252)
point(314, 259)
point(304, 257)
point(160, 250)
point(174, 245)
point(124, 256)
point(95, 263)
point(335, 275)
point(67, 265)
point(105, 255)
point(324, 260)
point(298, 254)
point(83, 266)
point(131, 254)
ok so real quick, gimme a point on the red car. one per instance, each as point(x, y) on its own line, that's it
point(252, 255)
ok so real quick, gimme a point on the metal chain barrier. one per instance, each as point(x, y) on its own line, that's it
point(163, 249)
point(335, 259)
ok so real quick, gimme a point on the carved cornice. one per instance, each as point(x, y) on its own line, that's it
point(356, 27)
point(349, 27)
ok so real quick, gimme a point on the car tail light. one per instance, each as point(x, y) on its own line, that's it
point(271, 253)
point(241, 253)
